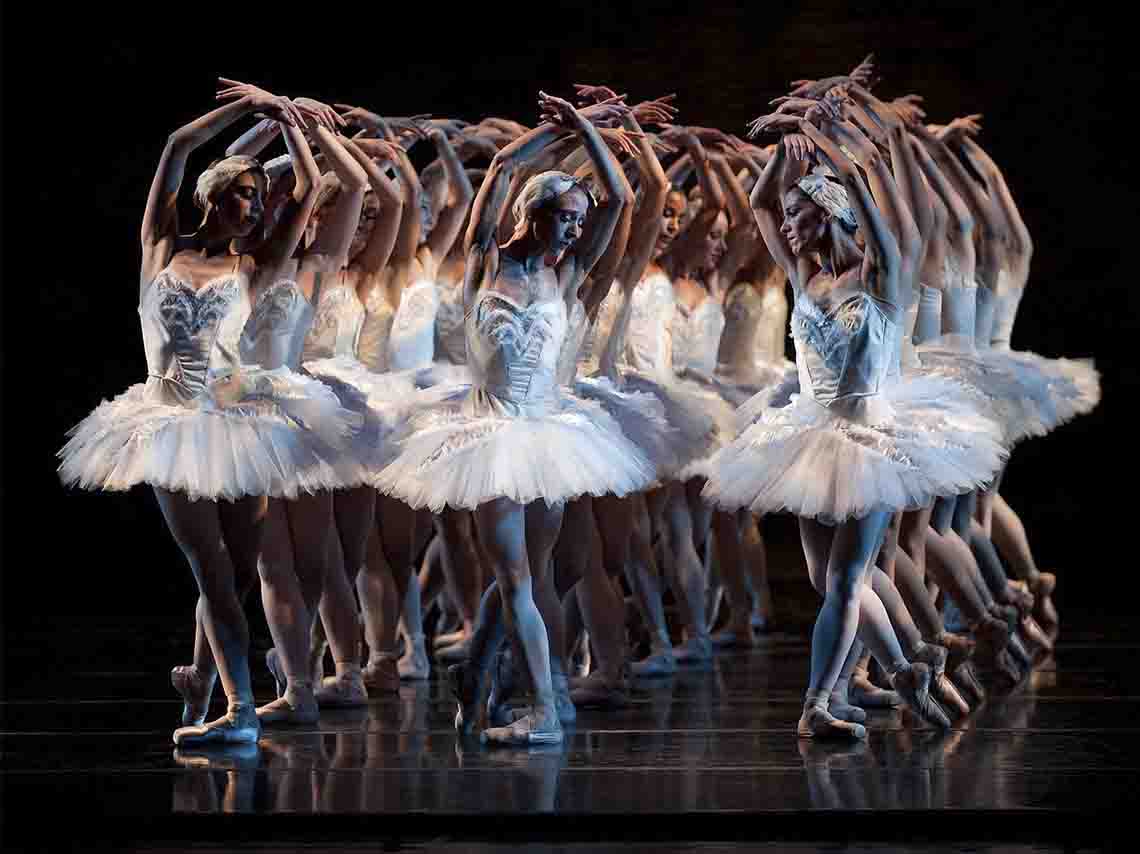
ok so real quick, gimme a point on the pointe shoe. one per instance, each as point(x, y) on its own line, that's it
point(993, 637)
point(343, 691)
point(598, 691)
point(296, 707)
point(657, 666)
point(696, 650)
point(1017, 594)
point(381, 676)
point(453, 654)
point(413, 665)
point(999, 672)
point(1020, 654)
point(1037, 637)
point(818, 722)
point(734, 638)
point(524, 732)
point(466, 689)
point(943, 690)
point(841, 709)
point(966, 680)
point(239, 725)
point(503, 682)
point(866, 694)
point(932, 655)
point(913, 685)
point(959, 648)
point(563, 704)
point(195, 694)
point(449, 639)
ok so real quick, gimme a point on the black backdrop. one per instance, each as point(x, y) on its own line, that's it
point(89, 100)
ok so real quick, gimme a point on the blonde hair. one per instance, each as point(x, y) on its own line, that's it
point(539, 192)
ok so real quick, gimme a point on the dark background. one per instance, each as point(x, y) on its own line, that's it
point(88, 102)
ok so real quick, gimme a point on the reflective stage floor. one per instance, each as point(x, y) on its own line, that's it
point(702, 761)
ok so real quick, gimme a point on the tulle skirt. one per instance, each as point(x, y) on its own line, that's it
point(688, 409)
point(641, 417)
point(1027, 394)
point(898, 450)
point(275, 433)
point(461, 447)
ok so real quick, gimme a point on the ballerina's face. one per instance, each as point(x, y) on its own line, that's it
point(714, 244)
point(671, 218)
point(241, 205)
point(558, 225)
point(805, 222)
point(368, 216)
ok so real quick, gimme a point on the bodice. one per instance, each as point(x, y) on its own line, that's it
point(755, 324)
point(336, 324)
point(375, 331)
point(191, 336)
point(514, 350)
point(696, 336)
point(1007, 299)
point(984, 316)
point(411, 342)
point(648, 345)
point(450, 338)
point(274, 335)
point(959, 305)
point(845, 346)
point(928, 322)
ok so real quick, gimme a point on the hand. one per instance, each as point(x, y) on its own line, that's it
point(864, 72)
point(359, 117)
point(798, 146)
point(273, 106)
point(774, 122)
point(452, 127)
point(660, 146)
point(827, 110)
point(416, 125)
point(619, 140)
point(792, 105)
point(608, 113)
point(593, 94)
point(659, 111)
point(908, 108)
point(322, 114)
point(961, 128)
point(557, 111)
point(378, 149)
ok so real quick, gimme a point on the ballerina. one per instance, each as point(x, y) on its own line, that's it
point(179, 431)
point(853, 447)
point(512, 445)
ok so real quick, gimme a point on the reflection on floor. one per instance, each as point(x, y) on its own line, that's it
point(704, 756)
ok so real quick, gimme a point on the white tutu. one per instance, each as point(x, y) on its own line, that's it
point(1029, 395)
point(641, 417)
point(897, 450)
point(685, 409)
point(273, 433)
point(463, 447)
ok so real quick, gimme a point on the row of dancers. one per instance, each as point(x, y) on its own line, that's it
point(568, 388)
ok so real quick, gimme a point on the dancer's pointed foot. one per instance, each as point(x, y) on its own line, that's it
point(866, 694)
point(526, 731)
point(600, 691)
point(453, 654)
point(450, 639)
point(1017, 594)
point(966, 680)
point(734, 637)
point(296, 707)
point(343, 691)
point(696, 650)
point(959, 648)
point(840, 708)
point(381, 676)
point(239, 725)
point(413, 665)
point(913, 683)
point(818, 722)
point(658, 665)
point(1036, 636)
point(195, 692)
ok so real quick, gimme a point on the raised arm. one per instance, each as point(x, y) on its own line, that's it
point(160, 220)
point(880, 240)
point(765, 204)
point(256, 139)
point(290, 227)
point(1021, 242)
point(740, 241)
point(646, 226)
point(373, 258)
point(339, 223)
point(460, 193)
point(960, 218)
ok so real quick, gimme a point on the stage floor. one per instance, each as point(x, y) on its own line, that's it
point(706, 756)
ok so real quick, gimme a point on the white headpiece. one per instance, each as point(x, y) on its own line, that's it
point(215, 179)
point(830, 196)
